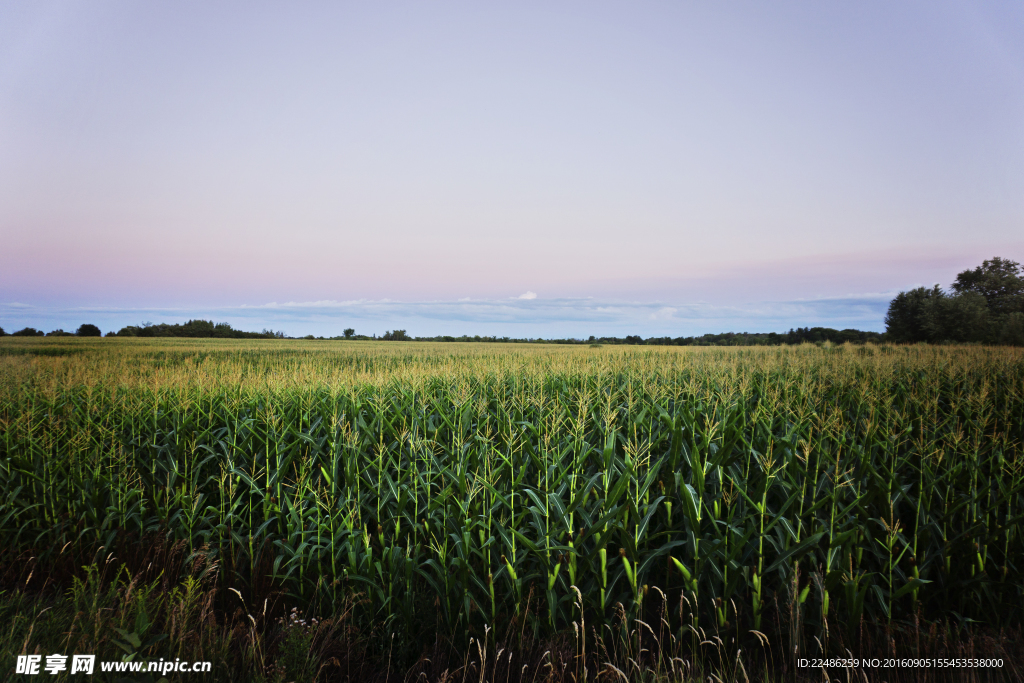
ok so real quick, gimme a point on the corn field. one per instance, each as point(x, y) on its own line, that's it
point(805, 493)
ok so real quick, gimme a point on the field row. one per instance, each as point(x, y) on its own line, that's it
point(782, 491)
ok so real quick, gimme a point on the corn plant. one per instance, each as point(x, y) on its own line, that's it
point(473, 486)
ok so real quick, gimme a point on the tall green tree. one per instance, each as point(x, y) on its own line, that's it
point(960, 318)
point(999, 280)
point(88, 330)
point(931, 315)
point(911, 315)
point(986, 304)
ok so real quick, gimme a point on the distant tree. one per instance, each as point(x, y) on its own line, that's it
point(911, 315)
point(349, 333)
point(28, 332)
point(1000, 281)
point(2, 333)
point(396, 335)
point(88, 330)
point(194, 328)
point(202, 329)
point(59, 333)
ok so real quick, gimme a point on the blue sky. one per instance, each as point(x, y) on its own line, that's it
point(651, 168)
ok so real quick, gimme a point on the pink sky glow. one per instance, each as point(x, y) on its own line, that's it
point(177, 160)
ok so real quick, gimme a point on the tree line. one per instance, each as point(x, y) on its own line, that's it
point(86, 330)
point(800, 335)
point(202, 329)
point(984, 305)
point(192, 329)
point(208, 329)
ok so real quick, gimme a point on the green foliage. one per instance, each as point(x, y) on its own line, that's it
point(138, 640)
point(980, 309)
point(930, 315)
point(463, 493)
point(1012, 331)
point(118, 617)
point(960, 318)
point(396, 335)
point(800, 335)
point(88, 330)
point(28, 332)
point(999, 280)
point(910, 317)
point(295, 660)
point(349, 332)
point(196, 329)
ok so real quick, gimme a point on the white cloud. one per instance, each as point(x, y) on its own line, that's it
point(528, 295)
point(664, 313)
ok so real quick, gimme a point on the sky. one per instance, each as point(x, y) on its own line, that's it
point(526, 169)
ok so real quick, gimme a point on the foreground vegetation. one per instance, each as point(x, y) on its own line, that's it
point(640, 509)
